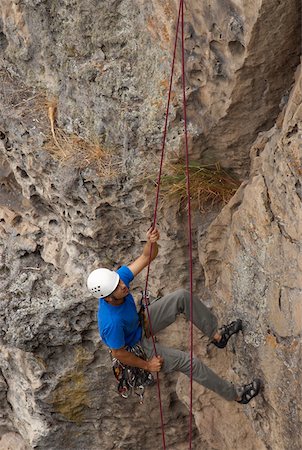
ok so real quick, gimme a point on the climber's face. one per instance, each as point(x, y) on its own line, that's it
point(118, 295)
point(121, 291)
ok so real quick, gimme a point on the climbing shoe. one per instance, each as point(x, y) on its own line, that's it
point(227, 331)
point(249, 391)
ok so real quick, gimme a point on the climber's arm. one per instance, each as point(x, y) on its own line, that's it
point(143, 260)
point(129, 359)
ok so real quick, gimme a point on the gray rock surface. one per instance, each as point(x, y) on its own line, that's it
point(252, 260)
point(100, 71)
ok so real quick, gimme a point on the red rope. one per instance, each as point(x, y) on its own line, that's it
point(155, 216)
point(180, 16)
point(189, 217)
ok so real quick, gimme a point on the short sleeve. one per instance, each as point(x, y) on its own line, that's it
point(125, 275)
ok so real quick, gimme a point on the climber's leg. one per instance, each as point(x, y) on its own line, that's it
point(164, 311)
point(177, 360)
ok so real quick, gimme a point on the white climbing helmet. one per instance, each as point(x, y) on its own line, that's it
point(102, 282)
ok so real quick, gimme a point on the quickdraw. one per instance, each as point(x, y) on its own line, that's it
point(132, 379)
point(142, 313)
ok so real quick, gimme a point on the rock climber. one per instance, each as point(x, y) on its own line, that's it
point(122, 331)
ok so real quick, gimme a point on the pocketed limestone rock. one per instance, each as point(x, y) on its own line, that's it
point(76, 73)
point(251, 256)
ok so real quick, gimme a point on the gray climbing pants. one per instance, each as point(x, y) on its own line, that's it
point(163, 313)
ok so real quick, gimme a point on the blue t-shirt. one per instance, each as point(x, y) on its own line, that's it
point(119, 326)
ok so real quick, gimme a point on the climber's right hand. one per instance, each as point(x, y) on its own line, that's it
point(154, 364)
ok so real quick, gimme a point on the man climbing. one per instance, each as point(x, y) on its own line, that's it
point(121, 329)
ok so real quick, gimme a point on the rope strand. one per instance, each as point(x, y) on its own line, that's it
point(155, 217)
point(180, 20)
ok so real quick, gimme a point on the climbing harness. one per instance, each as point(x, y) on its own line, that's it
point(180, 21)
point(132, 379)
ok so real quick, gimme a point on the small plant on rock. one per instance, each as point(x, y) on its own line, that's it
point(70, 148)
point(209, 184)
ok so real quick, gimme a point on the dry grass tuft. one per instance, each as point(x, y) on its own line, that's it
point(209, 185)
point(22, 101)
point(16, 95)
point(81, 153)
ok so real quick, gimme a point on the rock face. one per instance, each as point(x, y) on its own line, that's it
point(83, 99)
point(252, 261)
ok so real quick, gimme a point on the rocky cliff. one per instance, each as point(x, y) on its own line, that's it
point(83, 95)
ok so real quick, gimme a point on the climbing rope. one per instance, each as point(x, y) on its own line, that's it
point(155, 218)
point(180, 20)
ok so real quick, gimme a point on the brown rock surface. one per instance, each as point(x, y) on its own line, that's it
point(251, 255)
point(103, 67)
